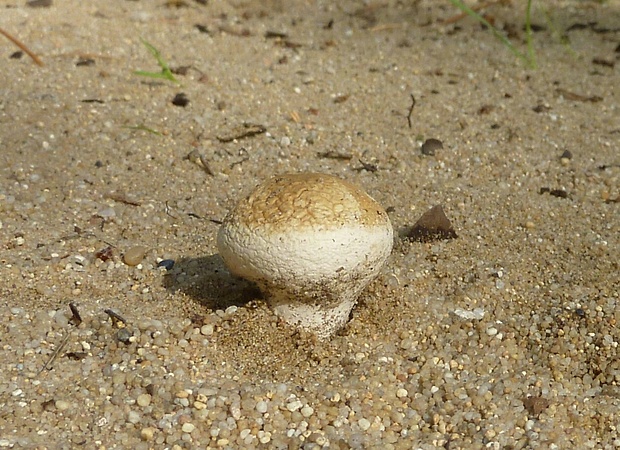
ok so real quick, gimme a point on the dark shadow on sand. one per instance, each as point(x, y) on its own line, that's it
point(207, 282)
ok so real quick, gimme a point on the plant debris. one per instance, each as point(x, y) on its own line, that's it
point(560, 193)
point(535, 405)
point(180, 99)
point(430, 146)
point(434, 225)
point(22, 47)
point(577, 97)
point(331, 154)
point(242, 131)
point(410, 110)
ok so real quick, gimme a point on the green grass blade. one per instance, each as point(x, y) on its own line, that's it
point(166, 73)
point(470, 12)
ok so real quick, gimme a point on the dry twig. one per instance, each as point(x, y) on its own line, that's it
point(25, 49)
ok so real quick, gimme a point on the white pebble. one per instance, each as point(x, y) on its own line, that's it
point(294, 405)
point(402, 393)
point(188, 427)
point(364, 424)
point(62, 405)
point(133, 417)
point(206, 330)
point(307, 411)
point(144, 400)
point(264, 437)
point(261, 407)
point(244, 433)
point(476, 314)
point(491, 331)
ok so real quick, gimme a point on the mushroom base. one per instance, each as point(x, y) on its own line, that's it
point(323, 321)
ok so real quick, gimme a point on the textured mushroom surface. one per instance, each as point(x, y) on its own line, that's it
point(311, 242)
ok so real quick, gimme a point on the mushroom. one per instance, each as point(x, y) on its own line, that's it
point(311, 242)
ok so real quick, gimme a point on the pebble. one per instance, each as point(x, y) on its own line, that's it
point(491, 331)
point(167, 264)
point(147, 433)
point(264, 437)
point(62, 405)
point(133, 417)
point(144, 400)
point(206, 330)
point(188, 427)
point(134, 255)
point(430, 146)
point(294, 405)
point(364, 424)
point(261, 407)
point(307, 411)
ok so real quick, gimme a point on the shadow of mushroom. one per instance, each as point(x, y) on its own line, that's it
point(207, 282)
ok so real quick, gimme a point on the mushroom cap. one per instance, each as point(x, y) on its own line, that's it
point(311, 242)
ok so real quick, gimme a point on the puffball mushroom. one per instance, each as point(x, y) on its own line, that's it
point(311, 242)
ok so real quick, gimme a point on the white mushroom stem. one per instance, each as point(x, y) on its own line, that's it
point(311, 242)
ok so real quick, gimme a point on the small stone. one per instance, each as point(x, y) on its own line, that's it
point(244, 433)
point(475, 314)
point(567, 155)
point(307, 411)
point(261, 407)
point(124, 336)
point(167, 264)
point(402, 393)
point(364, 424)
point(199, 405)
point(535, 405)
point(207, 330)
point(182, 394)
point(62, 405)
point(188, 427)
point(147, 433)
point(180, 99)
point(430, 146)
point(133, 417)
point(134, 255)
point(264, 437)
point(144, 400)
point(294, 405)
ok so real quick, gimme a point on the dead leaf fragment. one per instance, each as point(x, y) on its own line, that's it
point(434, 225)
point(535, 405)
point(241, 131)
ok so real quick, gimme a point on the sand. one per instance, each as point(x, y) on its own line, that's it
point(504, 337)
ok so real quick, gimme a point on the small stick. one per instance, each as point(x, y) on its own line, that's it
point(25, 49)
point(77, 319)
point(56, 353)
point(410, 110)
point(115, 316)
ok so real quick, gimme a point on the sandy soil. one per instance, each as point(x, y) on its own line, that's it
point(505, 337)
